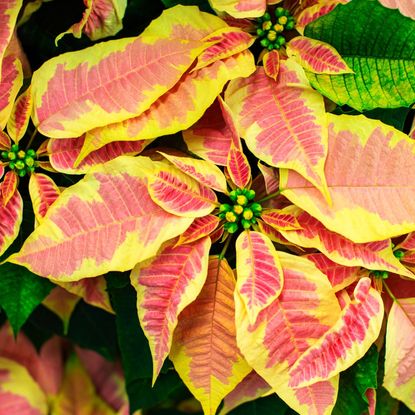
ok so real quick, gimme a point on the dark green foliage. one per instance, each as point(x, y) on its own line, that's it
point(92, 328)
point(20, 293)
point(382, 59)
point(354, 383)
point(135, 352)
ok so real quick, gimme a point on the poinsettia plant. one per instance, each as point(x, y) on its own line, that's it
point(216, 194)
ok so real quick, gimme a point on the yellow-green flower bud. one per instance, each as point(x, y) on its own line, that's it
point(225, 207)
point(250, 194)
point(11, 155)
point(248, 214)
point(272, 35)
point(282, 20)
point(278, 27)
point(29, 161)
point(246, 224)
point(238, 209)
point(231, 217)
point(242, 200)
point(266, 25)
point(20, 165)
point(256, 209)
point(21, 154)
point(231, 227)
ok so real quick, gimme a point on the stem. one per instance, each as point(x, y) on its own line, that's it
point(225, 247)
point(278, 192)
point(32, 137)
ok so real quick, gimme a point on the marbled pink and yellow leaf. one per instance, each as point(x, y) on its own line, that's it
point(346, 341)
point(8, 187)
point(283, 123)
point(125, 76)
point(240, 8)
point(20, 116)
point(63, 152)
point(307, 296)
point(260, 276)
point(370, 172)
point(19, 393)
point(339, 276)
point(316, 56)
point(204, 172)
point(180, 194)
point(204, 349)
point(43, 192)
point(399, 377)
point(271, 177)
point(371, 255)
point(5, 142)
point(100, 19)
point(105, 222)
point(178, 109)
point(281, 220)
point(11, 82)
point(165, 286)
point(271, 62)
point(200, 228)
point(10, 219)
point(9, 10)
point(250, 388)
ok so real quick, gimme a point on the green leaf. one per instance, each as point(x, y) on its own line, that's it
point(20, 293)
point(135, 352)
point(378, 44)
point(385, 404)
point(93, 328)
point(269, 405)
point(354, 383)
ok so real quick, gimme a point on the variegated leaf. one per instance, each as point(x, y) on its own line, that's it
point(281, 219)
point(105, 222)
point(63, 152)
point(210, 138)
point(399, 377)
point(339, 276)
point(372, 255)
point(43, 192)
point(178, 109)
point(272, 64)
point(8, 187)
point(101, 18)
point(200, 228)
point(260, 277)
point(10, 219)
point(204, 350)
point(166, 285)
point(271, 177)
point(370, 171)
point(227, 42)
point(346, 341)
point(316, 56)
point(251, 387)
point(180, 194)
point(77, 383)
point(20, 116)
point(92, 290)
point(240, 8)
point(238, 167)
point(19, 393)
point(9, 10)
point(406, 7)
point(128, 75)
point(283, 123)
point(206, 173)
point(274, 343)
point(320, 8)
point(5, 142)
point(11, 81)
